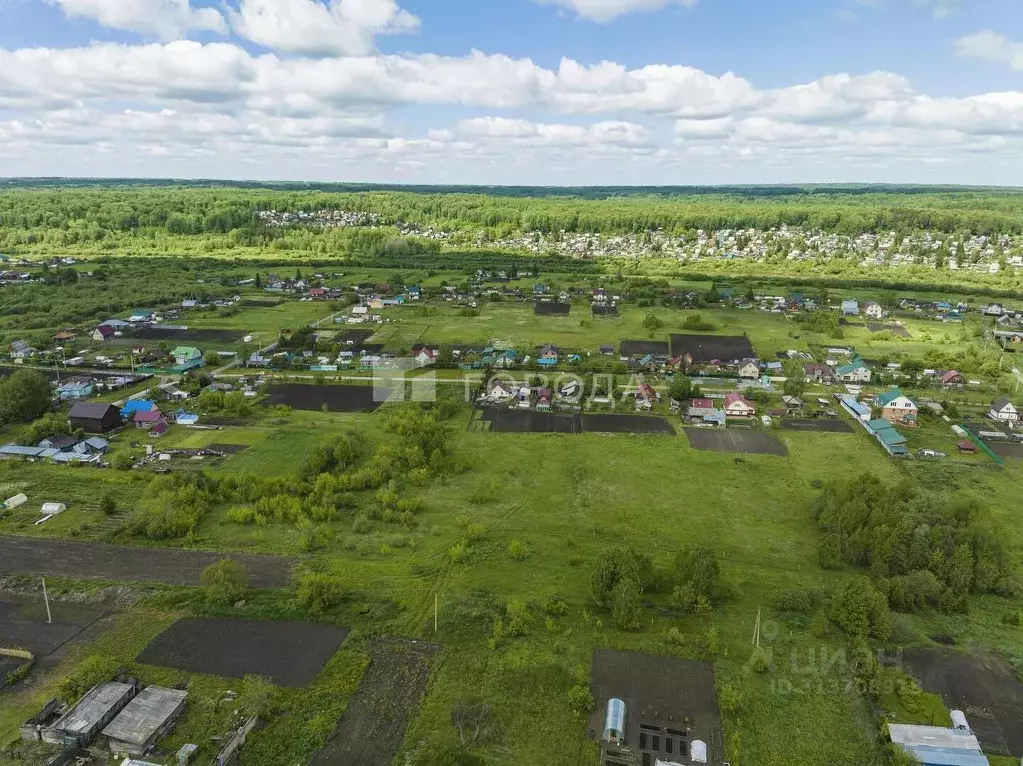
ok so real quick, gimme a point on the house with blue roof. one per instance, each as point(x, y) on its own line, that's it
point(79, 388)
point(548, 356)
point(137, 405)
point(851, 308)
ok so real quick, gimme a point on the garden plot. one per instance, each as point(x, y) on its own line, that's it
point(304, 396)
point(549, 308)
point(24, 626)
point(643, 347)
point(227, 449)
point(669, 704)
point(604, 311)
point(626, 424)
point(195, 335)
point(894, 329)
point(983, 687)
point(746, 442)
point(374, 724)
point(1006, 449)
point(707, 348)
point(530, 421)
point(819, 425)
point(99, 561)
point(288, 653)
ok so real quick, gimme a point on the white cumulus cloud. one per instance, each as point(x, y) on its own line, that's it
point(607, 10)
point(991, 46)
point(166, 19)
point(315, 28)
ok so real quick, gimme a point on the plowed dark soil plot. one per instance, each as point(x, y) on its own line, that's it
point(228, 449)
point(374, 724)
point(98, 561)
point(197, 335)
point(605, 311)
point(288, 653)
point(302, 396)
point(640, 347)
point(894, 329)
point(707, 348)
point(821, 425)
point(746, 442)
point(1006, 449)
point(983, 687)
point(626, 424)
point(53, 374)
point(24, 626)
point(550, 308)
point(669, 703)
point(353, 336)
point(528, 421)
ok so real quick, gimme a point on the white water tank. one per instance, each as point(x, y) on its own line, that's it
point(959, 720)
point(698, 751)
point(51, 509)
point(13, 502)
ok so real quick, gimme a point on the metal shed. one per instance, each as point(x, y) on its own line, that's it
point(938, 746)
point(144, 720)
point(91, 713)
point(614, 725)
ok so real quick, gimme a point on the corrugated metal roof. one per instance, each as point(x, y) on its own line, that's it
point(92, 708)
point(144, 715)
point(946, 756)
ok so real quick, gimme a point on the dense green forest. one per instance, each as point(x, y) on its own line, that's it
point(71, 215)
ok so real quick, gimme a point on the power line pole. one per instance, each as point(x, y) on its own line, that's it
point(46, 598)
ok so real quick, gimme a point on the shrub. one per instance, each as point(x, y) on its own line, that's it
point(319, 592)
point(626, 605)
point(580, 699)
point(225, 581)
point(517, 550)
point(108, 505)
point(554, 605)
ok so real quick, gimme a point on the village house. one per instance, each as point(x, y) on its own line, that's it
point(738, 406)
point(815, 372)
point(146, 419)
point(702, 412)
point(854, 372)
point(873, 310)
point(793, 404)
point(94, 418)
point(897, 408)
point(952, 379)
point(646, 396)
point(548, 356)
point(544, 399)
point(318, 293)
point(850, 308)
point(424, 355)
point(141, 315)
point(20, 349)
point(500, 392)
point(1003, 410)
point(993, 310)
point(76, 388)
point(749, 369)
point(186, 358)
point(103, 333)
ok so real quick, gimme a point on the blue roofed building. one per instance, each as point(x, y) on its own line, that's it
point(851, 308)
point(137, 405)
point(938, 746)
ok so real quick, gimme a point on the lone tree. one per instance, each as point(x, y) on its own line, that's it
point(225, 581)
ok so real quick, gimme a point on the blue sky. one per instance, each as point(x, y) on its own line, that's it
point(515, 91)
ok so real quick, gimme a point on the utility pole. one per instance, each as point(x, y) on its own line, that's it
point(46, 598)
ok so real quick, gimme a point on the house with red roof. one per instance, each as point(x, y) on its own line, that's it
point(147, 418)
point(738, 406)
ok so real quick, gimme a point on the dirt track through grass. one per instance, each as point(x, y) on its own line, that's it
point(373, 727)
point(99, 561)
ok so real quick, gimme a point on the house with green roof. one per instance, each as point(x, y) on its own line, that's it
point(855, 371)
point(186, 358)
